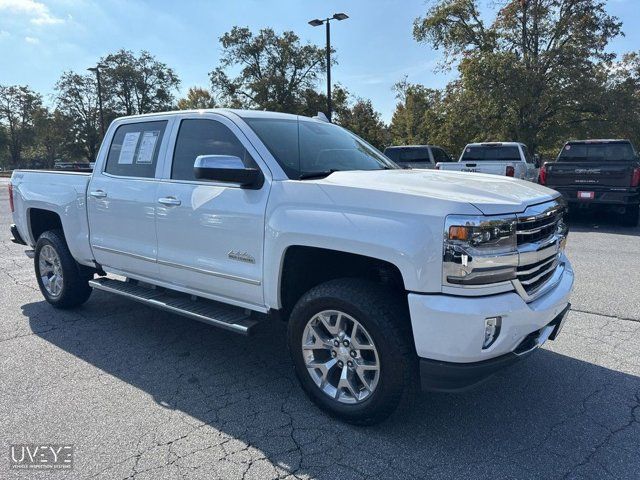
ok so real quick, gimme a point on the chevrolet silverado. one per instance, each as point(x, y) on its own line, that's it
point(388, 278)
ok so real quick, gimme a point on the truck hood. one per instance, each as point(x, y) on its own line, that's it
point(491, 194)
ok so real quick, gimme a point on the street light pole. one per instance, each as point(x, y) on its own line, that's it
point(329, 106)
point(316, 23)
point(96, 69)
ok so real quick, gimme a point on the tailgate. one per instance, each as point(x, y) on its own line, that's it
point(495, 168)
point(606, 174)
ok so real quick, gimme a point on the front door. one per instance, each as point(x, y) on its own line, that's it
point(122, 200)
point(210, 235)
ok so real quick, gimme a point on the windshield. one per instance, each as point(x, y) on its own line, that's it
point(597, 152)
point(491, 152)
point(303, 147)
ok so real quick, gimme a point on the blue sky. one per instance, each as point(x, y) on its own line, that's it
point(39, 39)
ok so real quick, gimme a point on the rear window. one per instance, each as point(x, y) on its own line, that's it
point(491, 153)
point(597, 152)
point(404, 155)
point(134, 149)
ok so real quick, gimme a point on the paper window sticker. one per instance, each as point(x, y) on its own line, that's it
point(128, 149)
point(147, 146)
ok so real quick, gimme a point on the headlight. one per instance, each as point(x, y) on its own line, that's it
point(479, 250)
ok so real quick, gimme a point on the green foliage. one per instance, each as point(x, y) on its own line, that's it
point(137, 84)
point(78, 110)
point(18, 108)
point(197, 98)
point(362, 119)
point(276, 72)
point(537, 73)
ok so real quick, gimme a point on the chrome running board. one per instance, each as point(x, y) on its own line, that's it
point(217, 314)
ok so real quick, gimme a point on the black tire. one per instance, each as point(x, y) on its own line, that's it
point(385, 316)
point(631, 216)
point(75, 289)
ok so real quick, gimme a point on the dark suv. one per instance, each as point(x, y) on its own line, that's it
point(597, 174)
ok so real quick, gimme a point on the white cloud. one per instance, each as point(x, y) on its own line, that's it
point(37, 12)
point(32, 40)
point(4, 34)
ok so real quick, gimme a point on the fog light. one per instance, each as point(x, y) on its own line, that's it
point(491, 330)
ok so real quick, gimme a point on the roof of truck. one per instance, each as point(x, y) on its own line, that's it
point(600, 140)
point(494, 144)
point(239, 112)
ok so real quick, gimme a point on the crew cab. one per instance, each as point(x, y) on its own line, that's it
point(387, 278)
point(418, 156)
point(602, 174)
point(511, 159)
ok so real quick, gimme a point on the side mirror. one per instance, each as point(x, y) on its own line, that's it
point(228, 169)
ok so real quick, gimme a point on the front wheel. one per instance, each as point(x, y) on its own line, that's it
point(62, 281)
point(352, 350)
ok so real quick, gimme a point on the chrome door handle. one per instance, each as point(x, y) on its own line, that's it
point(169, 201)
point(98, 194)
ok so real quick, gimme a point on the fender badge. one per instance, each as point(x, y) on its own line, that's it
point(241, 256)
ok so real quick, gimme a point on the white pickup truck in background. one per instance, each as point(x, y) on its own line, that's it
point(386, 277)
point(511, 159)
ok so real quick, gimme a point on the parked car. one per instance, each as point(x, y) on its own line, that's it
point(418, 156)
point(511, 159)
point(386, 277)
point(602, 174)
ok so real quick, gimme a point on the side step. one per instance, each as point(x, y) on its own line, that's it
point(214, 313)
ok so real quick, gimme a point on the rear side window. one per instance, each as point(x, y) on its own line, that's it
point(440, 155)
point(415, 155)
point(491, 153)
point(597, 152)
point(134, 149)
point(204, 137)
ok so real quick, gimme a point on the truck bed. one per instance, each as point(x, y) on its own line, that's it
point(58, 191)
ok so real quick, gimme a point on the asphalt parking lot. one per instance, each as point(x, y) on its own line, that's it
point(149, 395)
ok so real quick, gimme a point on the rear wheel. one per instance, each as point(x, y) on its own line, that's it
point(63, 283)
point(631, 215)
point(352, 350)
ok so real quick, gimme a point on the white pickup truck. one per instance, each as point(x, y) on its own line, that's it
point(387, 277)
point(510, 159)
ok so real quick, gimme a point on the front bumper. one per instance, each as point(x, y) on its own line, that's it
point(450, 329)
point(454, 377)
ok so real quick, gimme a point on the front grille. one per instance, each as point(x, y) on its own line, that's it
point(538, 234)
point(536, 228)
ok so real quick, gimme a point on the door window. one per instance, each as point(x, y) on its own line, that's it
point(134, 149)
point(204, 137)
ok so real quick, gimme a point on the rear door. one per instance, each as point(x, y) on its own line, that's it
point(121, 200)
point(210, 234)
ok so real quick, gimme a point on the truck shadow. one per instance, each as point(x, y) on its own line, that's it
point(597, 221)
point(540, 419)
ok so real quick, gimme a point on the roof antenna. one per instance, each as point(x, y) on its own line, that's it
point(322, 117)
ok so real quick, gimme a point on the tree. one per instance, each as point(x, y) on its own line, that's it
point(18, 107)
point(196, 98)
point(276, 72)
point(536, 66)
point(364, 121)
point(135, 85)
point(77, 102)
point(408, 121)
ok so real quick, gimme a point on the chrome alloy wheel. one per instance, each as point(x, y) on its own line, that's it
point(50, 270)
point(340, 356)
